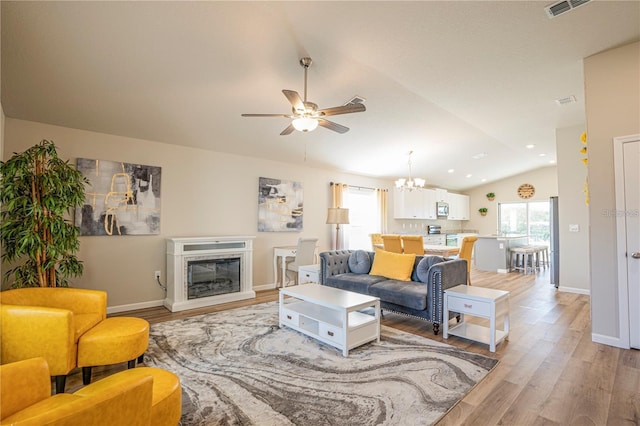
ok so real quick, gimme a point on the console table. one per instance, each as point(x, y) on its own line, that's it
point(282, 253)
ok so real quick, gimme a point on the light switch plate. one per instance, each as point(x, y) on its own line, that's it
point(574, 227)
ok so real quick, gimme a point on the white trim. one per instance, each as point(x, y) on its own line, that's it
point(621, 246)
point(265, 287)
point(576, 290)
point(608, 340)
point(134, 306)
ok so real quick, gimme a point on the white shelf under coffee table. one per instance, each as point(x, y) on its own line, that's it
point(480, 302)
point(330, 315)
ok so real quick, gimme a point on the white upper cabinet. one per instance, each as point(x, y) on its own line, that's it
point(458, 207)
point(409, 204)
point(421, 204)
point(442, 196)
point(430, 203)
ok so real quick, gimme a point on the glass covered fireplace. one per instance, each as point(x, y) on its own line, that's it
point(211, 277)
point(205, 271)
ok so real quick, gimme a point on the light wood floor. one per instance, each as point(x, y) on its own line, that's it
point(550, 372)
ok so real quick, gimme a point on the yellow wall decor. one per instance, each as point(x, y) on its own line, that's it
point(585, 161)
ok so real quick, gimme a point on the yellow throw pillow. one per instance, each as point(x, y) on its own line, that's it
point(393, 265)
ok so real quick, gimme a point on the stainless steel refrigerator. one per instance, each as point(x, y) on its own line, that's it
point(554, 246)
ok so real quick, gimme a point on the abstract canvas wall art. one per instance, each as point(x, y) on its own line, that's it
point(121, 198)
point(280, 205)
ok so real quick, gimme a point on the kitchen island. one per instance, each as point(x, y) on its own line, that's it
point(492, 252)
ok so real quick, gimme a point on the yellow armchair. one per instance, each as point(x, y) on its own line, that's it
point(125, 398)
point(47, 322)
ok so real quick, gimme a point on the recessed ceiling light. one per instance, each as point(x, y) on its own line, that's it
point(479, 156)
point(469, 175)
point(531, 146)
point(450, 171)
point(483, 180)
point(542, 155)
point(552, 161)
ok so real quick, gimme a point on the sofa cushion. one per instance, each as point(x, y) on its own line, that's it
point(422, 270)
point(359, 262)
point(393, 265)
point(358, 283)
point(409, 294)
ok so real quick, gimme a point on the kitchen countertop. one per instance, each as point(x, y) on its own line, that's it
point(502, 237)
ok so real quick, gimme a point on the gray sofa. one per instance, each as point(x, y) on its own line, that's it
point(421, 297)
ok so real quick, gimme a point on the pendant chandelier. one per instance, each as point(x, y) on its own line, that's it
point(411, 183)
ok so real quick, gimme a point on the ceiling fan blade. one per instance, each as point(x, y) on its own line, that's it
point(332, 126)
point(288, 130)
point(295, 100)
point(346, 109)
point(267, 115)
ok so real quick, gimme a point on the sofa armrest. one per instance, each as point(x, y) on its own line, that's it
point(442, 276)
point(333, 262)
point(22, 384)
point(35, 331)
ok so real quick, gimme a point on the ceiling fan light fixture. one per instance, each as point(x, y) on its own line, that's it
point(305, 124)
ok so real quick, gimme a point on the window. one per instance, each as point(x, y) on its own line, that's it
point(528, 218)
point(363, 217)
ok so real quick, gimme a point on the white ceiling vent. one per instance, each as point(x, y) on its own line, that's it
point(356, 100)
point(566, 101)
point(563, 6)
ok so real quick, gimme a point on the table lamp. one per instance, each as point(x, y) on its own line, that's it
point(337, 216)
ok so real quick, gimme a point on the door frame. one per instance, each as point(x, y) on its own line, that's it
point(621, 238)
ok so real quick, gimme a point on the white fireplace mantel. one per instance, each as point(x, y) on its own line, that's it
point(182, 250)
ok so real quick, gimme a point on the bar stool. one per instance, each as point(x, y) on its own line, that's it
point(525, 254)
point(542, 256)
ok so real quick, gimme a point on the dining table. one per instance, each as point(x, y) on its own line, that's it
point(434, 249)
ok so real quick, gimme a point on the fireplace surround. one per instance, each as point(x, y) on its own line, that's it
point(204, 271)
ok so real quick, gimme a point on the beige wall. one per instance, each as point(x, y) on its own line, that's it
point(204, 193)
point(612, 89)
point(573, 210)
point(545, 181)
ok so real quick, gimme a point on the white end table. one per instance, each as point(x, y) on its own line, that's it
point(309, 274)
point(479, 302)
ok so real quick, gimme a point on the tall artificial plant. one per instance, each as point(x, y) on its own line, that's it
point(38, 191)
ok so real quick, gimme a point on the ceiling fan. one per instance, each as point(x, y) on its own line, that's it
point(305, 115)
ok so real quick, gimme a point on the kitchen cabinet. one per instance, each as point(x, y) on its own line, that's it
point(409, 204)
point(458, 207)
point(430, 204)
point(435, 239)
point(442, 196)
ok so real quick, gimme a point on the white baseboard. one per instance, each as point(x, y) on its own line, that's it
point(134, 306)
point(609, 340)
point(574, 290)
point(264, 287)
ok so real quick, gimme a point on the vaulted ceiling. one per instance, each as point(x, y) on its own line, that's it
point(465, 85)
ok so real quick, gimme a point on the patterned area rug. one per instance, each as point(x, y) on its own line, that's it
point(238, 367)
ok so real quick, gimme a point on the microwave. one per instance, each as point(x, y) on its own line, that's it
point(442, 209)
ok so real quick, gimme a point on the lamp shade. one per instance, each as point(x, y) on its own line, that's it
point(337, 215)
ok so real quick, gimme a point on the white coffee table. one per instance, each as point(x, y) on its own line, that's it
point(330, 315)
point(480, 302)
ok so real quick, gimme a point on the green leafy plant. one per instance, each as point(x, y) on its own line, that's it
point(37, 190)
point(491, 196)
point(483, 210)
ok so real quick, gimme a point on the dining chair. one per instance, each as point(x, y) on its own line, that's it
point(376, 241)
point(466, 249)
point(392, 243)
point(413, 244)
point(305, 255)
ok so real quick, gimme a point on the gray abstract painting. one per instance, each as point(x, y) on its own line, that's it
point(279, 205)
point(120, 199)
